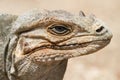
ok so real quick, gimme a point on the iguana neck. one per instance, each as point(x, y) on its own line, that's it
point(44, 71)
point(56, 71)
point(6, 21)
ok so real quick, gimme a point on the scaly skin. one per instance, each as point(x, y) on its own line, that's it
point(40, 43)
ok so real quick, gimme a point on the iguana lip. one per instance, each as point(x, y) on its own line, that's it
point(56, 52)
point(76, 45)
point(67, 47)
point(71, 46)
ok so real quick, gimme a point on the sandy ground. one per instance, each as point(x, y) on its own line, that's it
point(104, 64)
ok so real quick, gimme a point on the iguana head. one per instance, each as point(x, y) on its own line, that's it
point(49, 36)
point(45, 36)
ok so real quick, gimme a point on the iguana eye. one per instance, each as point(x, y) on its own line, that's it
point(59, 29)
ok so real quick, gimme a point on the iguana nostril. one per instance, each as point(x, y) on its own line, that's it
point(100, 29)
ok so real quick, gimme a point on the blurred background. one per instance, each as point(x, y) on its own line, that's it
point(102, 65)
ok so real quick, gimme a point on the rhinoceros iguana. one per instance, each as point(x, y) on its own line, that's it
point(37, 45)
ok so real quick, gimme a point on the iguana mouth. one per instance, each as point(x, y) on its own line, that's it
point(56, 52)
point(75, 45)
point(70, 46)
point(67, 47)
point(59, 47)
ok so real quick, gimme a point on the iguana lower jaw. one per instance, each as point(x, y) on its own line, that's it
point(61, 53)
point(50, 58)
point(48, 52)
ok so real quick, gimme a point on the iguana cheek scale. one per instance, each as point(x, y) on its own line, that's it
point(37, 45)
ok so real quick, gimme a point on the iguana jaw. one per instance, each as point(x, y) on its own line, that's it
point(75, 45)
point(59, 53)
point(48, 53)
point(67, 46)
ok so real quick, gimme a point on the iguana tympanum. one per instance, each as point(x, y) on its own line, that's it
point(38, 44)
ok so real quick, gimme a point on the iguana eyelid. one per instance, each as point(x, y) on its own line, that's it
point(65, 29)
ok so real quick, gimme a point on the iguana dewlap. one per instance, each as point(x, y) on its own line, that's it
point(37, 44)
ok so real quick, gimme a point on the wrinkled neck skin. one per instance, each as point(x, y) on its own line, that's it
point(38, 71)
point(26, 69)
